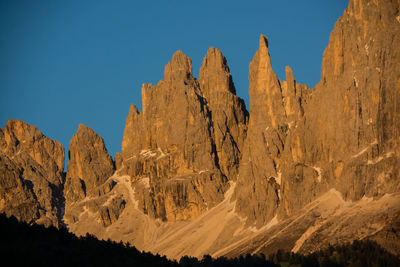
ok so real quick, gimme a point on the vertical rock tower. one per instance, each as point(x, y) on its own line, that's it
point(344, 134)
point(185, 144)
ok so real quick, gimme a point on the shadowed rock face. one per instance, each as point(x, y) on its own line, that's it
point(31, 175)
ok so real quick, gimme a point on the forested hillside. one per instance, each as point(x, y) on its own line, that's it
point(35, 245)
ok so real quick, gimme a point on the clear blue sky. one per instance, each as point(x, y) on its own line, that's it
point(68, 62)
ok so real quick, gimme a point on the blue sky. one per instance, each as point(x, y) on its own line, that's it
point(68, 62)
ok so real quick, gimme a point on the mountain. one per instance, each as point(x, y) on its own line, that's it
point(199, 174)
point(32, 177)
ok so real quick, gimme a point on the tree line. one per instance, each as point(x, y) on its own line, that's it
point(35, 245)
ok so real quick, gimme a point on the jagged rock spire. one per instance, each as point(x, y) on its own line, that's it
point(89, 164)
point(264, 88)
point(131, 139)
point(214, 73)
point(228, 112)
point(179, 68)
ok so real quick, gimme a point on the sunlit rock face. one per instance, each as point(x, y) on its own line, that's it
point(343, 134)
point(185, 145)
point(276, 112)
point(89, 164)
point(351, 133)
point(228, 112)
point(89, 168)
point(31, 174)
point(198, 174)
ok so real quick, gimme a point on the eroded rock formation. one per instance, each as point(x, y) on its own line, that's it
point(228, 112)
point(351, 128)
point(89, 164)
point(31, 175)
point(89, 168)
point(303, 169)
point(343, 134)
point(276, 109)
point(185, 144)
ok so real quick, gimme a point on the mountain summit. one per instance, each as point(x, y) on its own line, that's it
point(199, 174)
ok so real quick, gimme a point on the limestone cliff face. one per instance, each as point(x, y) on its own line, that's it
point(87, 181)
point(351, 134)
point(171, 152)
point(303, 168)
point(343, 134)
point(31, 174)
point(360, 81)
point(89, 165)
point(186, 143)
point(228, 112)
point(192, 137)
point(275, 109)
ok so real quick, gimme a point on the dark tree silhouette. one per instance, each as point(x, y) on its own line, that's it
point(34, 245)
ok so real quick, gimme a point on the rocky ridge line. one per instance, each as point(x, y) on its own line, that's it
point(195, 151)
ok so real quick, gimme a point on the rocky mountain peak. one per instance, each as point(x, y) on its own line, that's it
point(214, 74)
point(228, 112)
point(257, 189)
point(261, 64)
point(263, 43)
point(198, 174)
point(130, 143)
point(179, 68)
point(263, 58)
point(89, 164)
point(289, 74)
point(31, 174)
point(20, 136)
